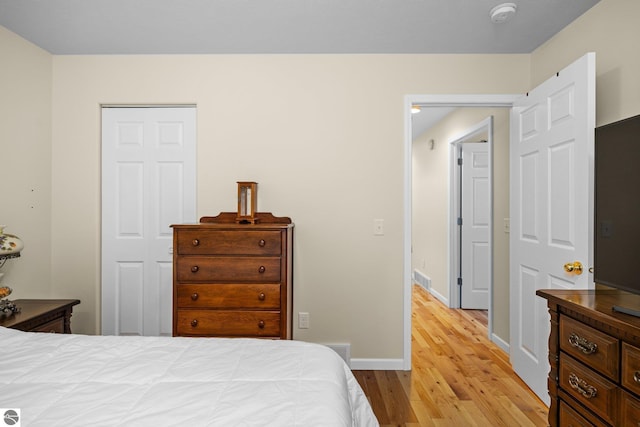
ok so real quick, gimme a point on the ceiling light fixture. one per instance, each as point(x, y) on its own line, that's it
point(502, 12)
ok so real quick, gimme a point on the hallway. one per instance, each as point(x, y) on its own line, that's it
point(459, 377)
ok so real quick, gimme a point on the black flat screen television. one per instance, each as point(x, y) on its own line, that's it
point(617, 205)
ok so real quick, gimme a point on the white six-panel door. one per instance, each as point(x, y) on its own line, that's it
point(551, 204)
point(476, 256)
point(148, 183)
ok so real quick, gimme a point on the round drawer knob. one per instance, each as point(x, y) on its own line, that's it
point(261, 243)
point(195, 242)
point(194, 322)
point(194, 296)
point(195, 269)
point(261, 297)
point(262, 269)
point(261, 324)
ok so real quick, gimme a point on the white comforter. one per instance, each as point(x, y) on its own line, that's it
point(79, 380)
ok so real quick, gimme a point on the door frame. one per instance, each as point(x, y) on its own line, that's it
point(460, 100)
point(455, 188)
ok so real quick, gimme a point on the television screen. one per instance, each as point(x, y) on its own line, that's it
point(617, 205)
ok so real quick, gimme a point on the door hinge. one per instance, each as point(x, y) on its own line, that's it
point(460, 161)
point(459, 221)
point(459, 281)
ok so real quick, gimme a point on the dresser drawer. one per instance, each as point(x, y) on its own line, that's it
point(592, 390)
point(55, 326)
point(596, 349)
point(570, 418)
point(259, 296)
point(629, 410)
point(221, 242)
point(228, 323)
point(631, 367)
point(228, 269)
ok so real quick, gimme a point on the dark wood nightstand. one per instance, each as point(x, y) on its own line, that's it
point(41, 315)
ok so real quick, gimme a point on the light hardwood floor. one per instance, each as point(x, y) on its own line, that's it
point(459, 377)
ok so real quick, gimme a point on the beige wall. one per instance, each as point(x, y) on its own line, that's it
point(431, 175)
point(321, 134)
point(611, 30)
point(25, 162)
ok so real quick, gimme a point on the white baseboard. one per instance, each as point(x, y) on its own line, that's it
point(500, 343)
point(377, 364)
point(439, 296)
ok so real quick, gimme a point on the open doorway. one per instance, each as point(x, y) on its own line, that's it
point(503, 102)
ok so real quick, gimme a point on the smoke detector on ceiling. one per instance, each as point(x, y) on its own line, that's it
point(502, 12)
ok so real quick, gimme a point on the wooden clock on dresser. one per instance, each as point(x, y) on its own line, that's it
point(594, 353)
point(233, 279)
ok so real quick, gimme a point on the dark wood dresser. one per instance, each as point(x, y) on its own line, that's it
point(231, 279)
point(594, 355)
point(41, 315)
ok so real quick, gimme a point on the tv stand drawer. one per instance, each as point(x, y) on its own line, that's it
point(594, 355)
point(596, 349)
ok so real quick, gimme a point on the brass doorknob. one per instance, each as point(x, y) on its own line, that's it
point(573, 267)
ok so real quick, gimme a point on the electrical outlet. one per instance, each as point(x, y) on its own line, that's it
point(303, 320)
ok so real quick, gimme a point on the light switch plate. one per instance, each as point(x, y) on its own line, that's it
point(378, 227)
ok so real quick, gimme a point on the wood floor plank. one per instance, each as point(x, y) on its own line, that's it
point(396, 400)
point(370, 387)
point(458, 378)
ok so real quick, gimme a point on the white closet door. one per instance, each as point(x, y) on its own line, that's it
point(148, 183)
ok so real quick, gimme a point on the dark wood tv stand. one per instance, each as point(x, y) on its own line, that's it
point(594, 353)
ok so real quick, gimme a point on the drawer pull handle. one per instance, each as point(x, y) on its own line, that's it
point(582, 344)
point(194, 296)
point(262, 269)
point(582, 387)
point(261, 297)
point(195, 242)
point(195, 269)
point(261, 243)
point(636, 376)
point(261, 324)
point(194, 322)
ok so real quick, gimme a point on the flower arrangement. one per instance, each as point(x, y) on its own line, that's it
point(5, 291)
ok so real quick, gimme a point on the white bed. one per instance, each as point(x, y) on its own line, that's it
point(79, 380)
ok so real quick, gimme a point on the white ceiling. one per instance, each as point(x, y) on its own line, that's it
point(426, 118)
point(285, 26)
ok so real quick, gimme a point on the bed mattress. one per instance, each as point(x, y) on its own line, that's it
point(80, 380)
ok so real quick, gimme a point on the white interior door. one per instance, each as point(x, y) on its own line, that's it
point(475, 248)
point(148, 183)
point(551, 204)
